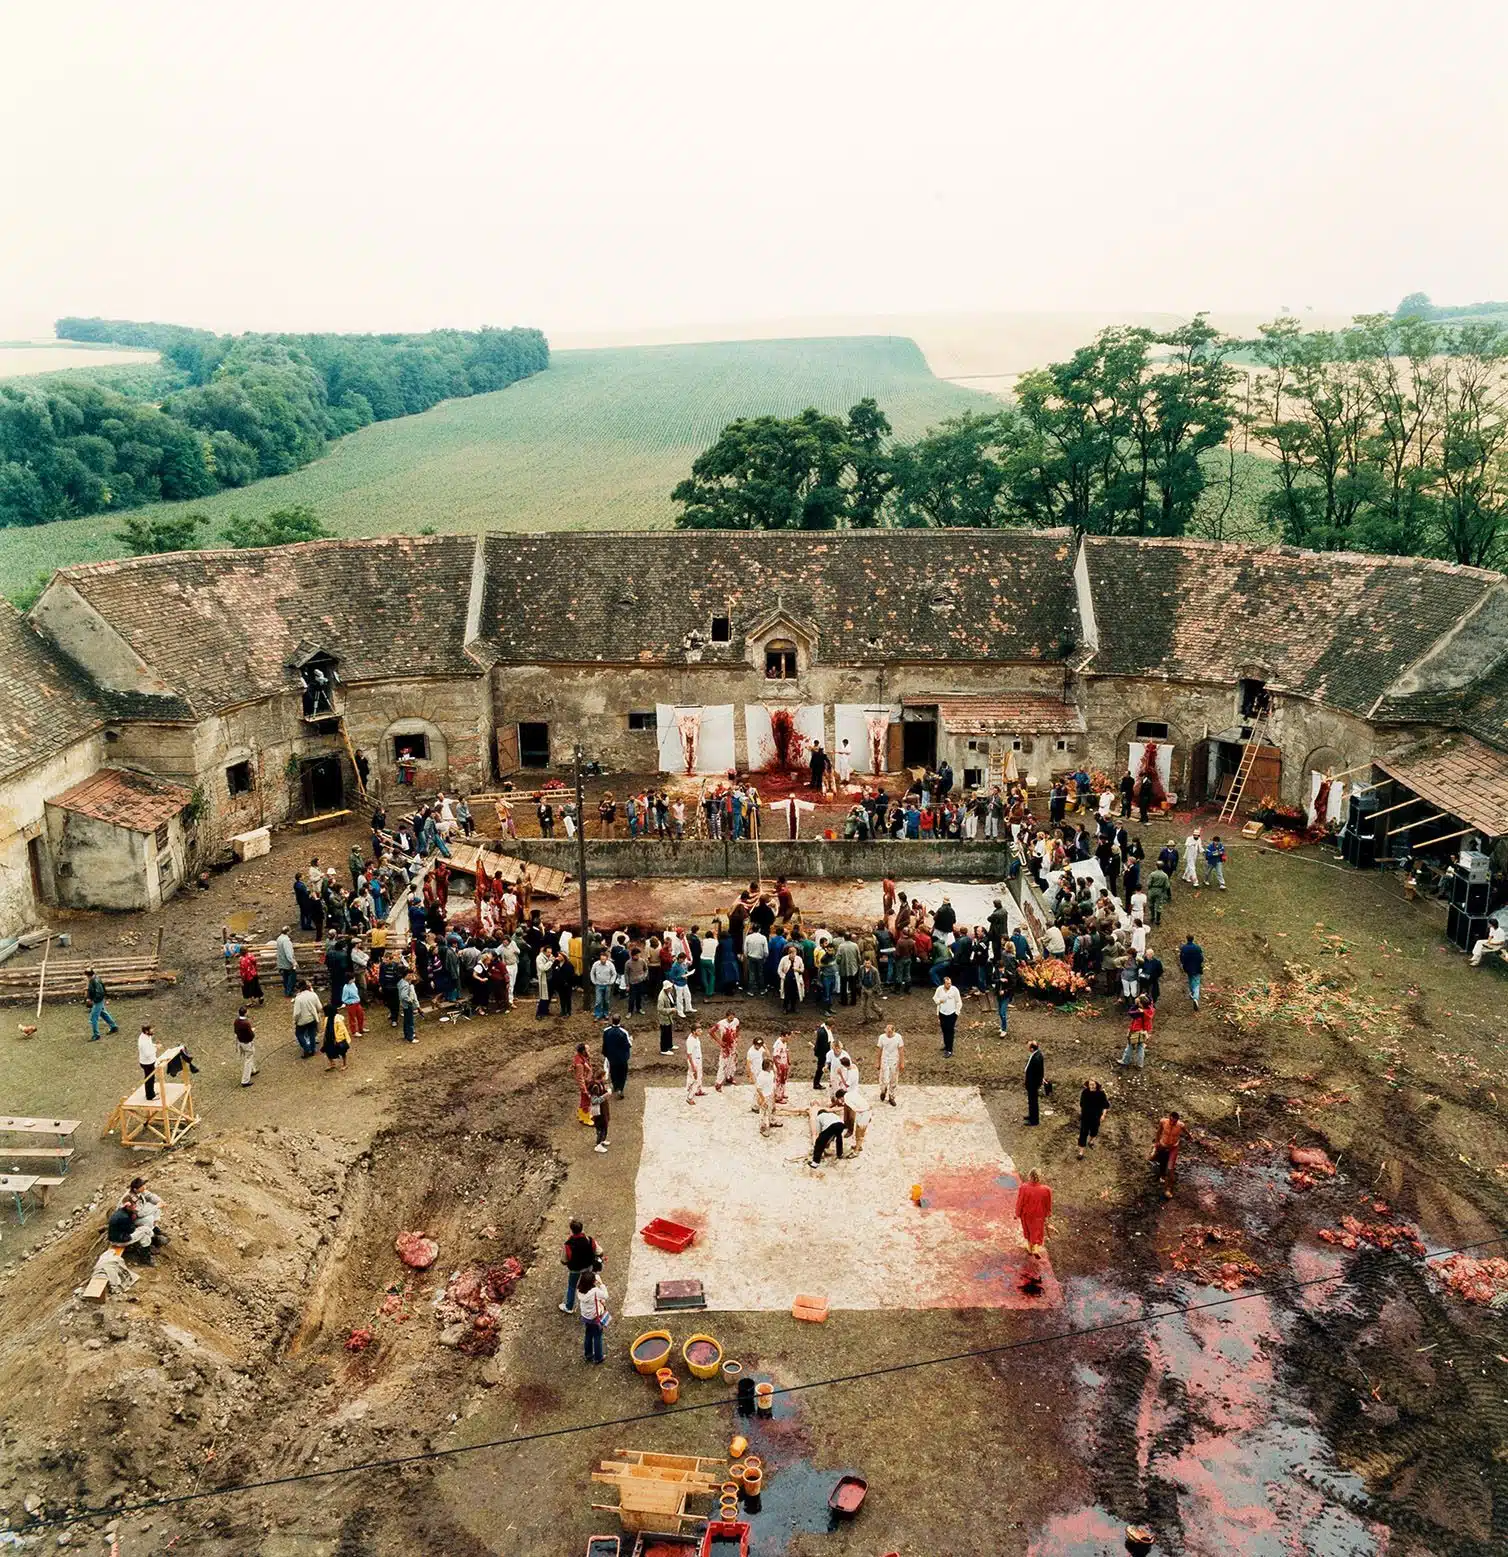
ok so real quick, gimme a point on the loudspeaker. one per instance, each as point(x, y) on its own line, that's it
point(1465, 929)
point(1358, 843)
point(1473, 896)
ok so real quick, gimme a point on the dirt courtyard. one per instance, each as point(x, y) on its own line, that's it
point(1260, 1363)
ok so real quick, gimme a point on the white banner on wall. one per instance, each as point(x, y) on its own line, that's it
point(781, 734)
point(695, 739)
point(1335, 801)
point(865, 726)
point(1164, 759)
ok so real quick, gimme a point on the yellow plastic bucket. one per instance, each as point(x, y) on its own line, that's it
point(650, 1359)
point(708, 1368)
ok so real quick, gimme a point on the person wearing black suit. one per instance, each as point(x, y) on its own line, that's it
point(1036, 1071)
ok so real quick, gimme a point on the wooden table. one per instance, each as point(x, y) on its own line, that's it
point(16, 1124)
point(16, 1185)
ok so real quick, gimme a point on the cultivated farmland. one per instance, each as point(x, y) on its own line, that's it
point(596, 442)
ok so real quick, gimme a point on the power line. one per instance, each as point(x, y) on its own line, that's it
point(396, 1462)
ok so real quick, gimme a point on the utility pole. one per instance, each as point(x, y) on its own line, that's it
point(581, 858)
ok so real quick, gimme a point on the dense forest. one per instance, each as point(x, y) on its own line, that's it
point(243, 407)
point(1389, 436)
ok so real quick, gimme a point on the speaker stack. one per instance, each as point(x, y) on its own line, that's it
point(1358, 839)
point(1466, 919)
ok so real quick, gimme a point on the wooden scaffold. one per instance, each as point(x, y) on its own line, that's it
point(152, 1124)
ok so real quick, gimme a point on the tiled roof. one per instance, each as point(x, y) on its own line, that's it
point(1339, 627)
point(1484, 709)
point(125, 799)
point(1458, 775)
point(872, 596)
point(220, 627)
point(45, 703)
point(1021, 713)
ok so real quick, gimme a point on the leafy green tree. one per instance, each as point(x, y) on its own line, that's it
point(872, 469)
point(955, 473)
point(814, 471)
point(148, 534)
point(1415, 306)
point(1473, 448)
point(281, 527)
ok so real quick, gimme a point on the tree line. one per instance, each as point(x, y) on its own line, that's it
point(1390, 435)
point(246, 407)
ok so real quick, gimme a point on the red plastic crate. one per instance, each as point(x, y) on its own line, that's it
point(670, 1236)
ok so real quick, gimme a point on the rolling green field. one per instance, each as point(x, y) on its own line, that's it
point(596, 442)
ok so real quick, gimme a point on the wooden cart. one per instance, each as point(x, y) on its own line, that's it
point(653, 1488)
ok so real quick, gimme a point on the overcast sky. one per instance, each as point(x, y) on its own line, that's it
point(578, 166)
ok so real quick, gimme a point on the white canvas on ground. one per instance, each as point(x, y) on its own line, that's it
point(769, 1227)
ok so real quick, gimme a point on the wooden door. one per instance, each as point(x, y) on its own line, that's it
point(507, 749)
point(893, 748)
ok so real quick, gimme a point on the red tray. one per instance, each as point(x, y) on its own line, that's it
point(671, 1236)
point(725, 1535)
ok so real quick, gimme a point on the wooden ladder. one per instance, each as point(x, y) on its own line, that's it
point(345, 736)
point(1244, 768)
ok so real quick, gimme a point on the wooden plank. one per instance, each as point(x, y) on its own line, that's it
point(44, 1153)
point(312, 824)
point(95, 1289)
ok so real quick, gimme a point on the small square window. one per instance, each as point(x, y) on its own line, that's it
point(1016, 745)
point(722, 629)
point(1151, 730)
point(1062, 745)
point(238, 778)
point(415, 746)
point(780, 660)
point(643, 719)
point(973, 778)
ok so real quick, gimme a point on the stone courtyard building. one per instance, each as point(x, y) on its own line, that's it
point(242, 684)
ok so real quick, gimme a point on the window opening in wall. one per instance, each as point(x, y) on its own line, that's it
point(1015, 745)
point(320, 679)
point(238, 779)
point(1151, 730)
point(1062, 745)
point(973, 778)
point(1254, 699)
point(412, 746)
point(780, 660)
point(722, 629)
point(643, 719)
point(534, 744)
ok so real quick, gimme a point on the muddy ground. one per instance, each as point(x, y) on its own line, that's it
point(1360, 1414)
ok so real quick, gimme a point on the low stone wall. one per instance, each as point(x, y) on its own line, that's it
point(814, 860)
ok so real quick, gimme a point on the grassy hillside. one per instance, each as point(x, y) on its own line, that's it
point(595, 442)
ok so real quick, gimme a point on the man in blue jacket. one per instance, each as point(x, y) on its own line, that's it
point(1191, 960)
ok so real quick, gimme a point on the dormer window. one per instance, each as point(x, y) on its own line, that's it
point(780, 659)
point(722, 629)
point(319, 682)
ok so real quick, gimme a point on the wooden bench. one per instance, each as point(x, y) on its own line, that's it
point(62, 1155)
point(312, 824)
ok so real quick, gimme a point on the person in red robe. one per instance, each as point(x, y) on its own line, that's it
point(583, 1072)
point(1033, 1207)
